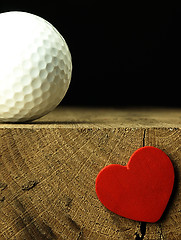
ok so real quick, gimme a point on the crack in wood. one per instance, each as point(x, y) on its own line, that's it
point(2, 198)
point(144, 135)
point(140, 233)
point(73, 223)
point(3, 186)
point(80, 235)
point(161, 233)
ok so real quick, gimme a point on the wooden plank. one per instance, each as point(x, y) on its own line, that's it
point(105, 117)
point(48, 170)
point(169, 140)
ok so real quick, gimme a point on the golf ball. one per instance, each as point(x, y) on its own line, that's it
point(35, 67)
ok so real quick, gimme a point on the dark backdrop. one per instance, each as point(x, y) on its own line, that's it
point(123, 54)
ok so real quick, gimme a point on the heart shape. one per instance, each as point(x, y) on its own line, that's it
point(140, 190)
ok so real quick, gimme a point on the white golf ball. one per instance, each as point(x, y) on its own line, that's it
point(35, 67)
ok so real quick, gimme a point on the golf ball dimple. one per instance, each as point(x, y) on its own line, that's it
point(36, 67)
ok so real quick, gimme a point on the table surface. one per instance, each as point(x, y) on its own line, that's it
point(75, 117)
point(48, 169)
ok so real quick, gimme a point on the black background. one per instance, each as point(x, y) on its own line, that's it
point(123, 54)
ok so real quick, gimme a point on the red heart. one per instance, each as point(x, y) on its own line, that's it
point(141, 189)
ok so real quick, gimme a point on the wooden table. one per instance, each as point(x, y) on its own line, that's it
point(48, 170)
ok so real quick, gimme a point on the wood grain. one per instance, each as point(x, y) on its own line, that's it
point(169, 227)
point(48, 169)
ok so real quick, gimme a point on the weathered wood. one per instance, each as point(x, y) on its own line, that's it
point(105, 117)
point(48, 170)
point(169, 140)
